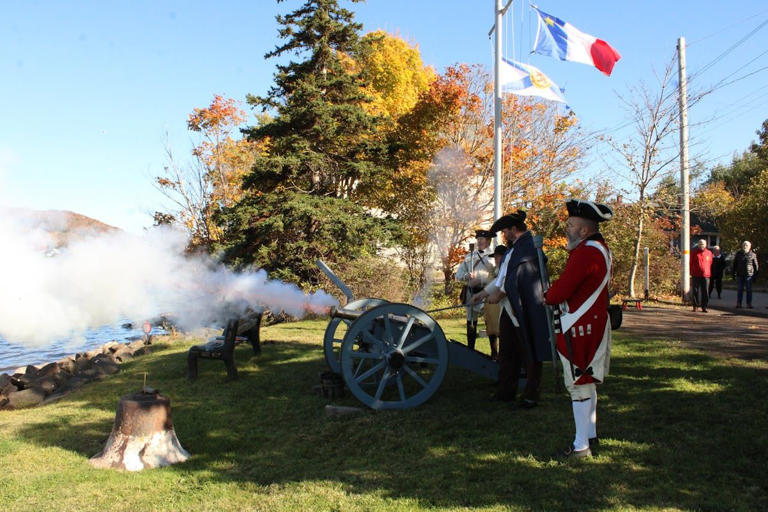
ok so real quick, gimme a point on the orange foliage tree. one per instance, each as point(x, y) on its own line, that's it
point(212, 181)
point(540, 152)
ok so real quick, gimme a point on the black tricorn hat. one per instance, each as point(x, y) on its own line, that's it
point(508, 220)
point(588, 210)
point(500, 250)
point(484, 233)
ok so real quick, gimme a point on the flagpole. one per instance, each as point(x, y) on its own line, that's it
point(497, 115)
point(497, 125)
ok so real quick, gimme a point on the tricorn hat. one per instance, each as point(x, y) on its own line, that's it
point(508, 220)
point(588, 210)
point(484, 233)
point(500, 250)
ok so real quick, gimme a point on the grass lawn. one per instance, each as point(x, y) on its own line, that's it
point(679, 431)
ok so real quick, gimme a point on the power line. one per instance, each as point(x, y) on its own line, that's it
point(727, 27)
point(738, 79)
point(729, 50)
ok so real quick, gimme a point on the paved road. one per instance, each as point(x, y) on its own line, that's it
point(726, 332)
point(728, 302)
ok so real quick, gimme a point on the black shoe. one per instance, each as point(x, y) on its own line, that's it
point(594, 445)
point(523, 404)
point(498, 398)
point(749, 306)
point(738, 306)
point(570, 453)
point(704, 310)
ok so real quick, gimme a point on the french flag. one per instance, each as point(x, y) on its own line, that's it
point(563, 41)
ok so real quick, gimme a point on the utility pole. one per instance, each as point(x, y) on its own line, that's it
point(685, 209)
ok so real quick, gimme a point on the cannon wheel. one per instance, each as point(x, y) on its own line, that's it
point(332, 338)
point(394, 357)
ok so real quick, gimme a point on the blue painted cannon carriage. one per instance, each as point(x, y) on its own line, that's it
point(393, 355)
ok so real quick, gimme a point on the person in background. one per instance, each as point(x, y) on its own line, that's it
point(584, 343)
point(745, 269)
point(701, 270)
point(718, 267)
point(493, 311)
point(475, 272)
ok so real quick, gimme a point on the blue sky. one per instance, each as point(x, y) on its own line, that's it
point(89, 89)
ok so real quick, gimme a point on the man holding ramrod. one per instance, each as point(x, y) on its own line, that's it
point(475, 272)
point(523, 331)
point(581, 294)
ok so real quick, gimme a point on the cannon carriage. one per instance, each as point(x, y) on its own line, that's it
point(393, 355)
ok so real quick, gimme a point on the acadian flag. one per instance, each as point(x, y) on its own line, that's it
point(526, 80)
point(563, 41)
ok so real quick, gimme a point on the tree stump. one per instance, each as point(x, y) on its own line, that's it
point(142, 436)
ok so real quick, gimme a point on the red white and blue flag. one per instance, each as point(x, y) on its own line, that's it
point(563, 41)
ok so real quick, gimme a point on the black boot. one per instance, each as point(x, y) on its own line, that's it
point(494, 346)
point(471, 334)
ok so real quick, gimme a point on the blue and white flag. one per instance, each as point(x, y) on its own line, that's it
point(526, 80)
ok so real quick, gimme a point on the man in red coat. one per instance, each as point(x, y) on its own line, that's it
point(701, 270)
point(581, 294)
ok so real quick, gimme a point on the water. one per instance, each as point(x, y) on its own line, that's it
point(14, 355)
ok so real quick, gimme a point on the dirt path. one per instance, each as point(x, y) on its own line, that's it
point(719, 332)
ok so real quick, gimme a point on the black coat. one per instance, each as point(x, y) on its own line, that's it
point(745, 264)
point(718, 266)
point(526, 295)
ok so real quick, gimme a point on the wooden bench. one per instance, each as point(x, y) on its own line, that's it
point(625, 303)
point(223, 347)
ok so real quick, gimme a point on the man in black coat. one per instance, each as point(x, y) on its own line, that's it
point(527, 337)
point(745, 270)
point(718, 267)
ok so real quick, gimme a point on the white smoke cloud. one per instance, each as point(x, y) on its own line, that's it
point(101, 280)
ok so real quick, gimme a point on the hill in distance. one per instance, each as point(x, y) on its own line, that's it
point(61, 225)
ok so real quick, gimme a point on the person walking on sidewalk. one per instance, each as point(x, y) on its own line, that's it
point(745, 269)
point(701, 270)
point(718, 267)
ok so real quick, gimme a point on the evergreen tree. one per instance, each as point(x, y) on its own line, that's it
point(322, 141)
point(301, 198)
point(760, 148)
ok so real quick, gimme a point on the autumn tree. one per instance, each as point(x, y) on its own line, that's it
point(649, 154)
point(540, 152)
point(543, 148)
point(303, 195)
point(394, 73)
point(397, 82)
point(747, 219)
point(226, 155)
point(736, 194)
point(211, 181)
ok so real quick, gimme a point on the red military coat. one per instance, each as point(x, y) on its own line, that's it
point(583, 281)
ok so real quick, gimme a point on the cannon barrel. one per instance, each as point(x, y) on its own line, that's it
point(335, 280)
point(346, 314)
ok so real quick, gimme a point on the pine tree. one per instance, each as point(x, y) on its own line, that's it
point(300, 201)
point(321, 141)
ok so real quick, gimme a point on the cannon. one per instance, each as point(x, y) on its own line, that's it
point(393, 355)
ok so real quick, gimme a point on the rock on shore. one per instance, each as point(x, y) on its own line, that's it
point(31, 385)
